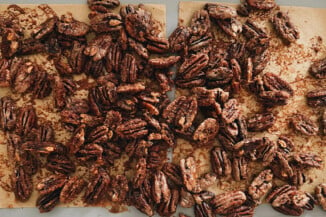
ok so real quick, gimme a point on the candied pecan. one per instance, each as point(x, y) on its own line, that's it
point(111, 152)
point(206, 97)
point(262, 4)
point(94, 68)
point(156, 156)
point(102, 6)
point(218, 11)
point(76, 57)
point(231, 111)
point(281, 167)
point(9, 42)
point(219, 76)
point(30, 163)
point(26, 120)
point(186, 199)
point(285, 145)
point(62, 65)
point(224, 202)
point(5, 73)
point(316, 98)
point(239, 169)
point(197, 81)
point(90, 152)
point(231, 27)
point(206, 131)
point(59, 93)
point(244, 210)
point(43, 85)
point(252, 30)
point(274, 98)
point(198, 43)
point(13, 143)
point(22, 76)
point(30, 46)
point(8, 113)
point(22, 184)
point(128, 69)
point(189, 173)
point(45, 28)
point(200, 23)
point(157, 44)
point(160, 189)
point(173, 172)
point(44, 147)
point(140, 173)
point(99, 135)
point(132, 129)
point(303, 124)
point(60, 163)
point(193, 65)
point(275, 83)
point(101, 98)
point(258, 47)
point(260, 122)
point(298, 178)
point(178, 39)
point(230, 134)
point(118, 189)
point(163, 62)
point(203, 209)
point(285, 28)
point(139, 48)
point(181, 112)
point(51, 183)
point(318, 69)
point(243, 9)
point(307, 160)
point(141, 203)
point(220, 162)
point(320, 192)
point(97, 48)
point(169, 207)
point(131, 88)
point(72, 188)
point(260, 186)
point(97, 187)
point(137, 23)
point(47, 202)
point(70, 119)
point(68, 26)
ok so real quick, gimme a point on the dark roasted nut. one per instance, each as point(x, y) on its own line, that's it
point(219, 76)
point(285, 28)
point(30, 46)
point(274, 98)
point(60, 163)
point(320, 192)
point(169, 207)
point(59, 93)
point(308, 160)
point(303, 124)
point(252, 30)
point(90, 153)
point(13, 143)
point(160, 189)
point(231, 111)
point(21, 183)
point(140, 173)
point(51, 183)
point(43, 85)
point(230, 134)
point(4, 73)
point(102, 5)
point(181, 112)
point(68, 26)
point(193, 65)
point(26, 120)
point(131, 88)
point(275, 83)
point(97, 48)
point(178, 39)
point(77, 58)
point(186, 199)
point(157, 44)
point(72, 188)
point(111, 152)
point(62, 65)
point(93, 68)
point(261, 185)
point(97, 187)
point(239, 169)
point(7, 113)
point(316, 98)
point(101, 98)
point(298, 178)
point(281, 167)
point(163, 62)
point(45, 28)
point(9, 43)
point(200, 23)
point(189, 173)
point(262, 4)
point(203, 209)
point(118, 189)
point(22, 76)
point(132, 129)
point(206, 97)
point(70, 119)
point(206, 131)
point(260, 122)
point(220, 162)
point(222, 203)
point(243, 9)
point(137, 23)
point(173, 172)
point(43, 147)
point(200, 43)
point(99, 135)
point(218, 11)
point(241, 211)
point(231, 27)
point(141, 203)
point(128, 69)
point(318, 69)
point(285, 145)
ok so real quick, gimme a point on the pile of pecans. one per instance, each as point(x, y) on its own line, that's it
point(127, 111)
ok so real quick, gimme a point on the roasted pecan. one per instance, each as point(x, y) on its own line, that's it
point(281, 167)
point(160, 189)
point(99, 135)
point(131, 88)
point(220, 162)
point(102, 5)
point(230, 134)
point(77, 58)
point(157, 44)
point(298, 178)
point(207, 97)
point(218, 11)
point(318, 69)
point(22, 75)
point(70, 119)
point(181, 112)
point(200, 23)
point(163, 62)
point(43, 85)
point(239, 169)
point(203, 209)
point(140, 173)
point(275, 83)
point(252, 30)
point(307, 160)
point(93, 68)
point(241, 211)
point(5, 73)
point(231, 111)
point(45, 28)
point(178, 39)
point(219, 76)
point(231, 27)
point(206, 131)
point(285, 145)
point(97, 48)
point(173, 172)
point(200, 43)
point(90, 153)
point(72, 188)
point(316, 98)
point(260, 122)
point(21, 183)
point(141, 203)
point(128, 69)
point(274, 98)
point(118, 189)
point(8, 113)
point(68, 26)
point(156, 156)
point(285, 28)
point(51, 183)
point(60, 93)
point(262, 4)
point(132, 129)
point(223, 203)
point(60, 163)
point(186, 199)
point(101, 98)
point(9, 42)
point(26, 120)
point(30, 46)
point(43, 147)
point(97, 187)
point(169, 207)
point(13, 143)
point(261, 185)
point(189, 173)
point(111, 152)
point(193, 65)
point(303, 124)
point(320, 192)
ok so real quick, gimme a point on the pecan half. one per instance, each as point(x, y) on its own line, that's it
point(281, 167)
point(5, 73)
point(189, 173)
point(102, 5)
point(45, 28)
point(316, 98)
point(97, 48)
point(275, 83)
point(262, 4)
point(77, 139)
point(261, 185)
point(320, 192)
point(308, 160)
point(260, 122)
point(169, 207)
point(218, 11)
point(60, 163)
point(193, 65)
point(7, 113)
point(68, 26)
point(173, 172)
point(72, 188)
point(178, 39)
point(224, 202)
point(22, 75)
point(140, 175)
point(99, 135)
point(160, 190)
point(203, 209)
point(128, 69)
point(303, 124)
point(90, 153)
point(206, 131)
point(239, 169)
point(132, 129)
point(318, 69)
point(231, 111)
point(231, 27)
point(186, 199)
point(118, 189)
point(230, 134)
point(22, 184)
point(43, 85)
point(26, 120)
point(220, 162)
point(285, 145)
point(101, 98)
point(285, 28)
point(97, 187)
point(274, 98)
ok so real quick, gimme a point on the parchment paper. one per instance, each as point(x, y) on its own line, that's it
point(291, 63)
point(46, 111)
